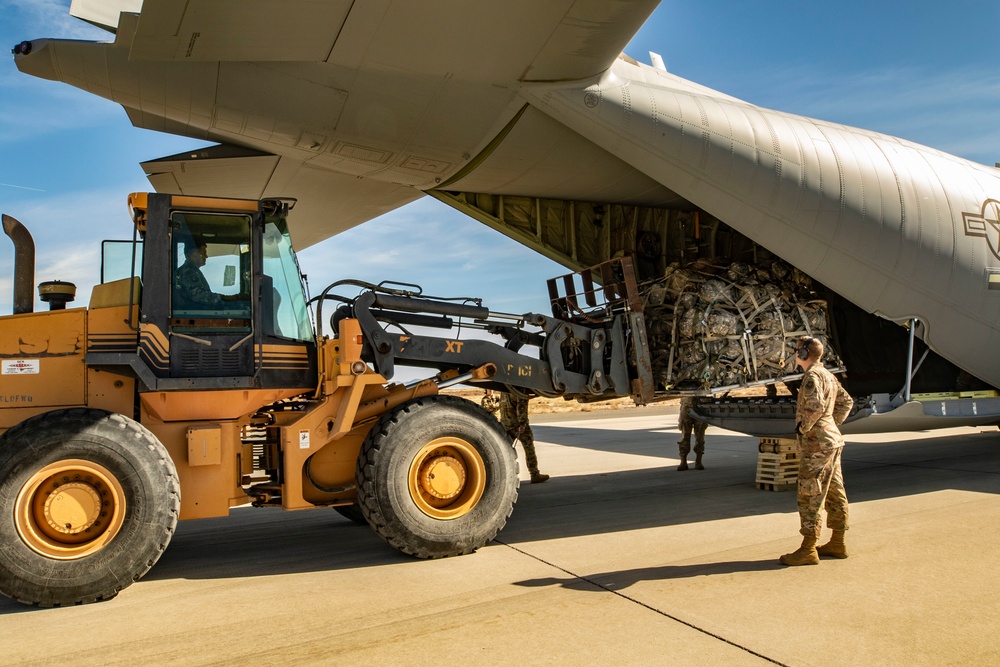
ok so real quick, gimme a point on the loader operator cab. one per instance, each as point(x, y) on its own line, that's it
point(216, 294)
point(223, 304)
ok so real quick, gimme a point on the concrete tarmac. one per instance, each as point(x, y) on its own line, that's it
point(618, 559)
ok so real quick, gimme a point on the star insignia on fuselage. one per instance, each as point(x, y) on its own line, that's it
point(985, 223)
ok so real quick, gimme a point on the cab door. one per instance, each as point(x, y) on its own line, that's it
point(211, 305)
point(286, 353)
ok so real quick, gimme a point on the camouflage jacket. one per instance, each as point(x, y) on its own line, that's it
point(191, 289)
point(822, 406)
point(491, 401)
point(513, 412)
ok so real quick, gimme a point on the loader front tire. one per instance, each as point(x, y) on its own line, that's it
point(437, 477)
point(88, 502)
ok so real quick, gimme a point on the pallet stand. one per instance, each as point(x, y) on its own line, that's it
point(777, 464)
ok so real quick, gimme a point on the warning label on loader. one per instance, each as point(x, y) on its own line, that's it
point(20, 367)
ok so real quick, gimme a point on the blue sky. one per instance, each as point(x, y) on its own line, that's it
point(927, 72)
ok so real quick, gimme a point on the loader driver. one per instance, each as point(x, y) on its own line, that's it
point(191, 288)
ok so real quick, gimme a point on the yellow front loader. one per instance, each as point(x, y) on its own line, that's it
point(200, 378)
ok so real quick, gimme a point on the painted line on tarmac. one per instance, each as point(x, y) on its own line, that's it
point(643, 604)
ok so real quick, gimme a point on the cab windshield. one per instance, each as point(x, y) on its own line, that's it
point(281, 270)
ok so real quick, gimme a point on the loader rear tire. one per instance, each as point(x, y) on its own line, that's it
point(437, 477)
point(88, 502)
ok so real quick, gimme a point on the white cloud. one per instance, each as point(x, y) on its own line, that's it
point(954, 110)
point(51, 18)
point(67, 230)
point(446, 252)
point(49, 108)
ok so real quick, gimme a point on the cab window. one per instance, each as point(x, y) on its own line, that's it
point(117, 260)
point(211, 269)
point(283, 287)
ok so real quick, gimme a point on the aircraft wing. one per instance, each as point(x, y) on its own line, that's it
point(364, 105)
point(510, 40)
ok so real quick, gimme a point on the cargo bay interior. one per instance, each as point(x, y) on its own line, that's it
point(683, 247)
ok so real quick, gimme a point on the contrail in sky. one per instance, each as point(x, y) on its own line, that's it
point(21, 187)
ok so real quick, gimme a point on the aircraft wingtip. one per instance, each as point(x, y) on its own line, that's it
point(32, 57)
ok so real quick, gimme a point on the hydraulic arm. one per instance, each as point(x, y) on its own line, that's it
point(538, 354)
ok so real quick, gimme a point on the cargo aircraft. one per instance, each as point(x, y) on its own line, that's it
point(528, 117)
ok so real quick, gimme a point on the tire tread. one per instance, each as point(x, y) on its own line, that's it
point(76, 421)
point(376, 442)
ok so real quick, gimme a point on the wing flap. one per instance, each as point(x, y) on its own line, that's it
point(103, 13)
point(222, 171)
point(327, 203)
point(588, 39)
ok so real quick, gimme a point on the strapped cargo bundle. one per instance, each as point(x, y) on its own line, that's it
point(713, 328)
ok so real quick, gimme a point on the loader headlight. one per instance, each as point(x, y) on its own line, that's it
point(22, 49)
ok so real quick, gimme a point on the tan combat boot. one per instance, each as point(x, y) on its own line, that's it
point(683, 455)
point(804, 555)
point(697, 462)
point(538, 478)
point(835, 548)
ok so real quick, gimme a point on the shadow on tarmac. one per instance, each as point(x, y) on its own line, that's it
point(622, 579)
point(267, 541)
point(658, 441)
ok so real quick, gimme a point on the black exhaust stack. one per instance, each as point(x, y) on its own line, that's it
point(24, 264)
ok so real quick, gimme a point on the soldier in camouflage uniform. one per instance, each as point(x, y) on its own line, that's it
point(514, 418)
point(686, 424)
point(821, 407)
point(191, 289)
point(491, 401)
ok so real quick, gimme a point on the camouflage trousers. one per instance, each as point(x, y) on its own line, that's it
point(527, 440)
point(684, 444)
point(821, 486)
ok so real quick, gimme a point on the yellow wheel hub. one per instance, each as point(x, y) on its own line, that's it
point(69, 509)
point(447, 478)
point(443, 477)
